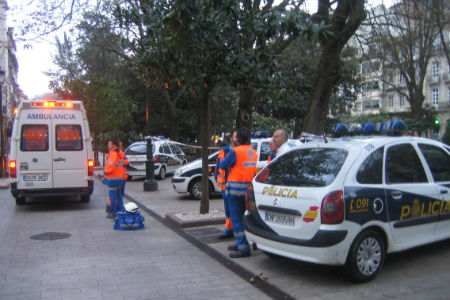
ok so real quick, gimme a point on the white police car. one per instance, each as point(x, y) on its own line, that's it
point(350, 201)
point(167, 157)
point(188, 178)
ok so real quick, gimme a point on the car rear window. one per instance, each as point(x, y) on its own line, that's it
point(316, 167)
point(34, 138)
point(137, 150)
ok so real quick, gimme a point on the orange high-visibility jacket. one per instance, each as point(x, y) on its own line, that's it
point(125, 164)
point(114, 165)
point(242, 172)
point(221, 174)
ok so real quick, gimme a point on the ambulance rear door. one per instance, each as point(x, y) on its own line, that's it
point(34, 159)
point(69, 157)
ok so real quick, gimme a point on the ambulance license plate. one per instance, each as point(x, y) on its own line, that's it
point(35, 177)
point(280, 218)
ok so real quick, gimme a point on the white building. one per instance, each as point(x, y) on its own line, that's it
point(384, 88)
point(9, 90)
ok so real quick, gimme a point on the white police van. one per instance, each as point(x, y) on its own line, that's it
point(51, 151)
point(351, 201)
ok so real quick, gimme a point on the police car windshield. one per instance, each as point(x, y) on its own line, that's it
point(315, 167)
point(139, 149)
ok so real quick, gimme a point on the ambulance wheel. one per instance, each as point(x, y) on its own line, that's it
point(162, 173)
point(366, 256)
point(85, 198)
point(20, 200)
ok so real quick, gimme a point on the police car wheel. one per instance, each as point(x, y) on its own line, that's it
point(162, 172)
point(195, 188)
point(366, 256)
point(20, 200)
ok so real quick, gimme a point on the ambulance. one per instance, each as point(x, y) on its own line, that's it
point(51, 152)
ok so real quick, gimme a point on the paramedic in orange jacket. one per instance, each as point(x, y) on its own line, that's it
point(221, 179)
point(242, 163)
point(113, 178)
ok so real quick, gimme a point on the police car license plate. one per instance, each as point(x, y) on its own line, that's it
point(279, 218)
point(35, 177)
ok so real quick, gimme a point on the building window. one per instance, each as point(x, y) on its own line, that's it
point(391, 101)
point(402, 101)
point(435, 69)
point(449, 97)
point(435, 97)
point(436, 44)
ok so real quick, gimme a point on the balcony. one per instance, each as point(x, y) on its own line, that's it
point(446, 77)
point(433, 80)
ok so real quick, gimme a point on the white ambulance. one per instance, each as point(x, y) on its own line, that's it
point(51, 152)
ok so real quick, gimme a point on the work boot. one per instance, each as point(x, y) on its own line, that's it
point(232, 248)
point(226, 235)
point(239, 254)
point(109, 216)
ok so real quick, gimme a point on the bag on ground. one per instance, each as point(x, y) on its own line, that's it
point(128, 221)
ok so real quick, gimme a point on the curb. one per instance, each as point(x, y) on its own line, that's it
point(176, 221)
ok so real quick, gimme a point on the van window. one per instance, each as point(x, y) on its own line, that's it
point(34, 138)
point(69, 138)
point(403, 165)
point(438, 161)
point(371, 170)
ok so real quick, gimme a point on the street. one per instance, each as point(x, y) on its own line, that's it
point(63, 249)
point(80, 256)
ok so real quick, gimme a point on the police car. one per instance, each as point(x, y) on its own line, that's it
point(188, 178)
point(351, 201)
point(167, 157)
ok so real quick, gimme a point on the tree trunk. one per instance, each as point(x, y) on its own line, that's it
point(244, 117)
point(347, 17)
point(205, 137)
point(326, 77)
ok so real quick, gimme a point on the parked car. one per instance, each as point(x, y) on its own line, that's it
point(167, 157)
point(351, 201)
point(188, 178)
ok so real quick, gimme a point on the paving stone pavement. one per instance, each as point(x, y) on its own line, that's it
point(97, 262)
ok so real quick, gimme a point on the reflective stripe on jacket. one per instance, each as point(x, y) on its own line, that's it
point(243, 170)
point(114, 165)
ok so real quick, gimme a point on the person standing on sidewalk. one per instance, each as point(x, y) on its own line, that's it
point(242, 164)
point(113, 178)
point(279, 140)
point(221, 179)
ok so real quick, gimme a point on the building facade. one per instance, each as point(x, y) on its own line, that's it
point(384, 87)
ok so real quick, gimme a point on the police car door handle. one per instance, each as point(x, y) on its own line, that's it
point(396, 195)
point(59, 159)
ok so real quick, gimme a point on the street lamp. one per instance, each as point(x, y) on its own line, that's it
point(2, 131)
point(150, 183)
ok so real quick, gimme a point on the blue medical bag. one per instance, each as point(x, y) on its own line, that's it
point(128, 221)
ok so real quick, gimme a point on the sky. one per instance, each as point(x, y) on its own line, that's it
point(35, 60)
